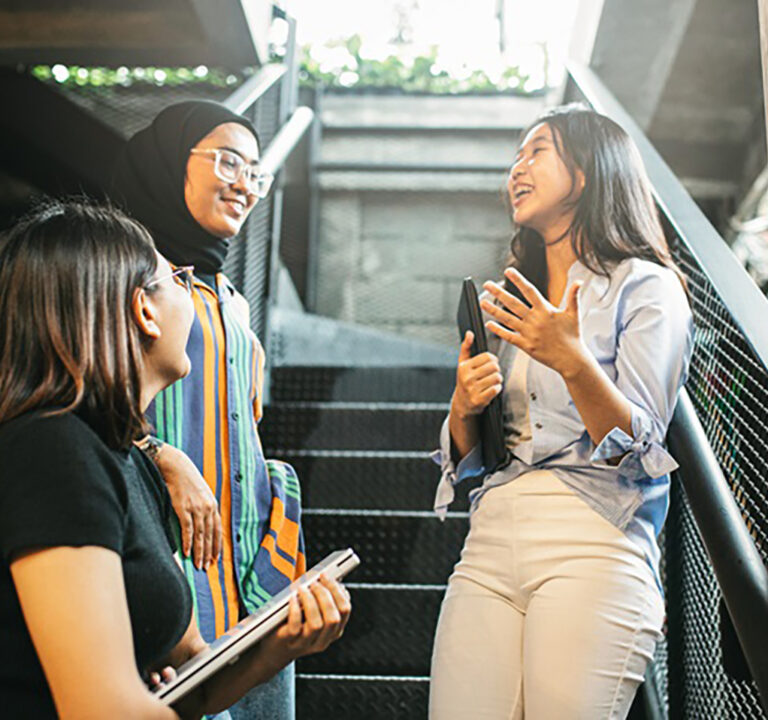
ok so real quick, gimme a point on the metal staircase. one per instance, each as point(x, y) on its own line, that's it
point(360, 440)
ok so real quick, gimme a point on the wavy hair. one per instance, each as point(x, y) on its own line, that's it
point(615, 218)
point(69, 342)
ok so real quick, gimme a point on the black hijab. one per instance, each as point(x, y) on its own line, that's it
point(148, 182)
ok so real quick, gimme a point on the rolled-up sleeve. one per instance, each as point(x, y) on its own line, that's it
point(471, 465)
point(655, 341)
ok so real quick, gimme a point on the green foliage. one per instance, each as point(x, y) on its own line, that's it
point(420, 75)
point(75, 75)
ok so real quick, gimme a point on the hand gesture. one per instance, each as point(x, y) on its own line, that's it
point(478, 380)
point(325, 606)
point(194, 504)
point(549, 335)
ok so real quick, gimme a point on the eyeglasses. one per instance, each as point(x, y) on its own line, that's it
point(184, 276)
point(229, 167)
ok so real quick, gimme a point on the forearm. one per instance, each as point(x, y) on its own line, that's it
point(464, 431)
point(601, 405)
point(254, 667)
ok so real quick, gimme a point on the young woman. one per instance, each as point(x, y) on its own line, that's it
point(192, 177)
point(92, 600)
point(554, 609)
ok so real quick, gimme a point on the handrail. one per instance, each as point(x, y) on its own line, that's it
point(253, 88)
point(730, 280)
point(286, 140)
point(736, 561)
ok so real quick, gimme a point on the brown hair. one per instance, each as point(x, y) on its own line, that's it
point(615, 217)
point(69, 342)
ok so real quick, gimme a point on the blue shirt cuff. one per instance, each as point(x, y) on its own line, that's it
point(642, 457)
point(471, 465)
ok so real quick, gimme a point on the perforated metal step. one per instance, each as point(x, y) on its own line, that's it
point(390, 632)
point(368, 480)
point(352, 426)
point(393, 547)
point(387, 384)
point(352, 697)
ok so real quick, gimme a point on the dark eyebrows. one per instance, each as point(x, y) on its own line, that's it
point(534, 141)
point(238, 153)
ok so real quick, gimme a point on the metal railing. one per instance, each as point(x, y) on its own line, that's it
point(269, 100)
point(716, 545)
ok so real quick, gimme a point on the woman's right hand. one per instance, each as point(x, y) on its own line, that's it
point(478, 380)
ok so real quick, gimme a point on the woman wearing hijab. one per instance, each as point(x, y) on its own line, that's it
point(192, 177)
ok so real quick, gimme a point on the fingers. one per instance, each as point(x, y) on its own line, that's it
point(572, 301)
point(465, 351)
point(217, 536)
point(529, 291)
point(510, 302)
point(331, 628)
point(513, 322)
point(198, 540)
point(341, 598)
point(208, 538)
point(186, 525)
point(513, 338)
point(293, 624)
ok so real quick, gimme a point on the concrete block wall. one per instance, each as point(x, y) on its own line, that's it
point(411, 201)
point(395, 260)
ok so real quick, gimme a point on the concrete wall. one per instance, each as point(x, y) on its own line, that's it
point(411, 202)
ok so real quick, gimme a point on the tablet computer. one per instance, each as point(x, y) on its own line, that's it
point(470, 317)
point(227, 649)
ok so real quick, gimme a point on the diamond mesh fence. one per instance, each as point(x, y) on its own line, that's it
point(729, 389)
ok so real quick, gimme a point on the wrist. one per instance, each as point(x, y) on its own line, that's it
point(459, 410)
point(580, 362)
point(152, 447)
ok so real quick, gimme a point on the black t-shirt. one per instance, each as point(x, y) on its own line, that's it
point(61, 485)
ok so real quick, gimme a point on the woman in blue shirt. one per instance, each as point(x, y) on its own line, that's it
point(555, 607)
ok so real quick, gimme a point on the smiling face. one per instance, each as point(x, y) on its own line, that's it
point(219, 207)
point(542, 192)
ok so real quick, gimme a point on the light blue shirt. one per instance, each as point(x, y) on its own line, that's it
point(639, 327)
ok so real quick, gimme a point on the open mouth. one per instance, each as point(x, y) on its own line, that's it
point(520, 193)
point(237, 207)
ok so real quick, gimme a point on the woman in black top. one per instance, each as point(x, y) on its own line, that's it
point(92, 602)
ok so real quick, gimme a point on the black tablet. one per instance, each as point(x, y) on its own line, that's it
point(470, 317)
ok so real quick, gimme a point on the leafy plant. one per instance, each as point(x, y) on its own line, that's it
point(76, 75)
point(348, 69)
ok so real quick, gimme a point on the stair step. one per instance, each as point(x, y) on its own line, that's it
point(352, 427)
point(394, 547)
point(368, 480)
point(384, 384)
point(390, 632)
point(351, 697)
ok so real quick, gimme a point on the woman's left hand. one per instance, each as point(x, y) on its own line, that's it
point(549, 335)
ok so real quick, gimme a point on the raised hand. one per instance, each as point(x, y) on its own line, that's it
point(548, 334)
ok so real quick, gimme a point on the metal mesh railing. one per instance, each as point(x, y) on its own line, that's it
point(248, 262)
point(128, 109)
point(699, 685)
point(729, 389)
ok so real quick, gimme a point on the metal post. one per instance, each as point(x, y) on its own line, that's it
point(763, 11)
point(315, 139)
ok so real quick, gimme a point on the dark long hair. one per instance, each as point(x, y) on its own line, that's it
point(615, 217)
point(69, 342)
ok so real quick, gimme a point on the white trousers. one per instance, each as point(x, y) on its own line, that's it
point(551, 613)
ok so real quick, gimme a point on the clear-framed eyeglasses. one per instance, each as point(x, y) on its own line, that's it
point(229, 167)
point(184, 276)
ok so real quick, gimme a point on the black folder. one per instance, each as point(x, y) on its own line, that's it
point(470, 317)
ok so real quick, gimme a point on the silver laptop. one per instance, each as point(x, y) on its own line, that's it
point(228, 648)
